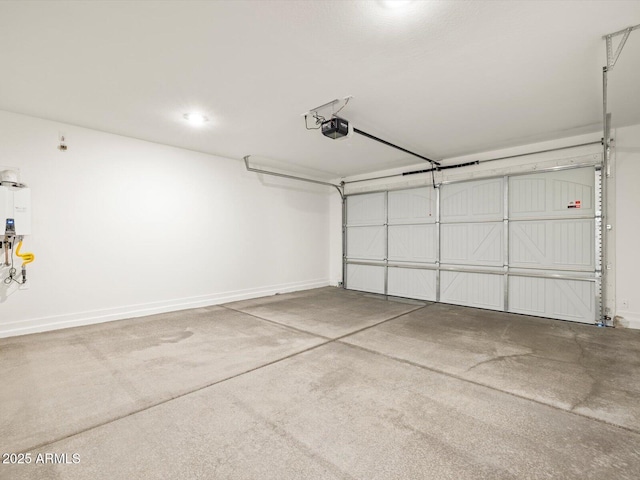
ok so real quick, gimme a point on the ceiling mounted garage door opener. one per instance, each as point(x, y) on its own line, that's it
point(337, 127)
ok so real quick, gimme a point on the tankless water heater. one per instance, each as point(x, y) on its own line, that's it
point(15, 210)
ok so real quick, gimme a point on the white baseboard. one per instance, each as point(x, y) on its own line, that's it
point(627, 320)
point(77, 319)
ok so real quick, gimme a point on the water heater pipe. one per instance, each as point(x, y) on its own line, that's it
point(26, 257)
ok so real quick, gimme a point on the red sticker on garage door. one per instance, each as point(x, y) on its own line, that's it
point(574, 204)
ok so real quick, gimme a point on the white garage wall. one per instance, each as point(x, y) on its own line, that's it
point(627, 225)
point(123, 227)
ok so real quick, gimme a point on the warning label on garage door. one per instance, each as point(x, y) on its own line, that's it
point(574, 204)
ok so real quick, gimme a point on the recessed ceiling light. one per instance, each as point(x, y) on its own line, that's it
point(195, 119)
point(396, 3)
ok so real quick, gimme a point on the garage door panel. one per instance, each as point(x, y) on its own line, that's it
point(368, 209)
point(556, 244)
point(366, 243)
point(555, 298)
point(412, 283)
point(479, 200)
point(573, 244)
point(412, 243)
point(527, 196)
point(472, 244)
point(416, 205)
point(366, 278)
point(482, 290)
point(455, 203)
point(573, 300)
point(566, 193)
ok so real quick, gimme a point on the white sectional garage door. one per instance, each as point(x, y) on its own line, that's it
point(524, 244)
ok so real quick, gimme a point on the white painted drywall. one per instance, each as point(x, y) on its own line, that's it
point(124, 227)
point(627, 225)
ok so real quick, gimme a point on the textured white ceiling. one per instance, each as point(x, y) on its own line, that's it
point(439, 78)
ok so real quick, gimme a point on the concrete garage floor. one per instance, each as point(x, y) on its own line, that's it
point(324, 384)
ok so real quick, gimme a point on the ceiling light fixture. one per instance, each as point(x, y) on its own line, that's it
point(195, 119)
point(396, 4)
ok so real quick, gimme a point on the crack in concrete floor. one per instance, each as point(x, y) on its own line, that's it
point(499, 358)
point(595, 383)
